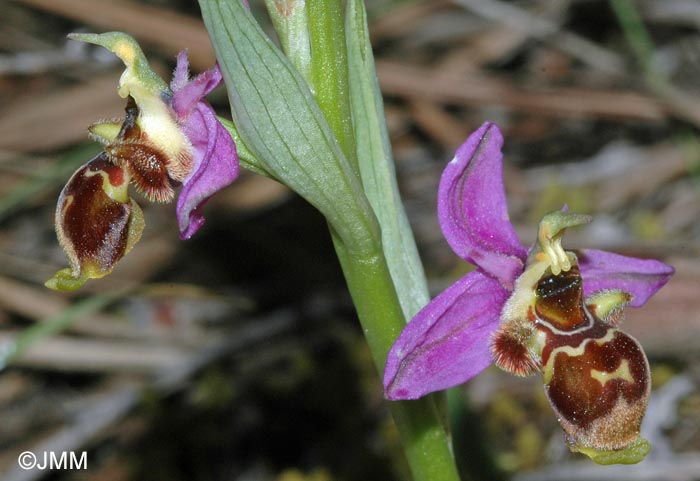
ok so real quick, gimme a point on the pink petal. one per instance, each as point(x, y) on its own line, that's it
point(187, 96)
point(602, 270)
point(446, 343)
point(216, 166)
point(472, 207)
point(215, 158)
point(181, 73)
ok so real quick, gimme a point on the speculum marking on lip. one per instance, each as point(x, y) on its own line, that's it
point(560, 300)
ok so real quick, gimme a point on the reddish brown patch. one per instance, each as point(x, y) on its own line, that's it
point(554, 341)
point(116, 176)
point(603, 412)
point(91, 225)
point(581, 399)
point(560, 300)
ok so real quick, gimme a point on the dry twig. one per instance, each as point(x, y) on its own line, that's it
point(411, 81)
point(115, 404)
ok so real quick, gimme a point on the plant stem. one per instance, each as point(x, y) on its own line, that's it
point(369, 281)
point(290, 19)
point(423, 437)
point(329, 71)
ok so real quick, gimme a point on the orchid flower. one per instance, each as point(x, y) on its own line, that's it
point(543, 309)
point(169, 136)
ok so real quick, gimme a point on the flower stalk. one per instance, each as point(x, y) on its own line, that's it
point(291, 21)
point(329, 71)
point(369, 280)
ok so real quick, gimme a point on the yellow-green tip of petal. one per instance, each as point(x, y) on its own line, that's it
point(632, 454)
point(104, 132)
point(64, 280)
point(125, 47)
point(121, 44)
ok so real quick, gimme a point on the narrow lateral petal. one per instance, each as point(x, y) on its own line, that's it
point(216, 166)
point(215, 159)
point(181, 72)
point(446, 343)
point(472, 207)
point(188, 96)
point(641, 278)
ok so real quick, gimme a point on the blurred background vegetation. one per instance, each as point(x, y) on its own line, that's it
point(237, 355)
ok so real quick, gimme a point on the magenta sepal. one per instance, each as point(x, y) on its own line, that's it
point(446, 343)
point(472, 207)
point(215, 159)
point(641, 278)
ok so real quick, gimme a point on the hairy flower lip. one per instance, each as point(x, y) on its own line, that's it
point(473, 216)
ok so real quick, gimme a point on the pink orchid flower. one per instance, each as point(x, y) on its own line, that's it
point(528, 310)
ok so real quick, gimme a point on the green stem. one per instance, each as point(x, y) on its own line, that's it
point(290, 19)
point(329, 71)
point(423, 437)
point(369, 281)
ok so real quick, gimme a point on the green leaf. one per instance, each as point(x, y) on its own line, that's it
point(377, 165)
point(281, 124)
